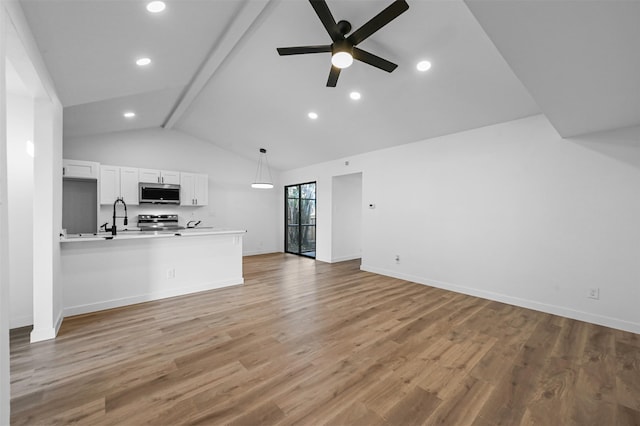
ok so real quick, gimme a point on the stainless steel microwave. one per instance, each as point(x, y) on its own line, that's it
point(159, 193)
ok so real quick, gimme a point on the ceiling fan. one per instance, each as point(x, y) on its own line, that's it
point(343, 49)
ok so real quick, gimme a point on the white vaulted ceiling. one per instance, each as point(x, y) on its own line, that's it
point(216, 73)
point(580, 60)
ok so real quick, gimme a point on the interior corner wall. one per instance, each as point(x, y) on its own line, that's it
point(20, 206)
point(5, 381)
point(346, 233)
point(47, 177)
point(232, 201)
point(47, 223)
point(56, 111)
point(510, 212)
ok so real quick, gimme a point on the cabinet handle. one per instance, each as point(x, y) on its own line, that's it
point(64, 171)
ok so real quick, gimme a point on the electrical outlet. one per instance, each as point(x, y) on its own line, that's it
point(594, 293)
point(171, 274)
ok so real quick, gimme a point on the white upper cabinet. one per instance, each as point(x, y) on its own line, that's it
point(194, 189)
point(168, 176)
point(159, 176)
point(186, 189)
point(80, 169)
point(118, 182)
point(201, 190)
point(109, 184)
point(149, 175)
point(129, 185)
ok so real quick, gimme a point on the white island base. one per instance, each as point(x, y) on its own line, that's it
point(103, 274)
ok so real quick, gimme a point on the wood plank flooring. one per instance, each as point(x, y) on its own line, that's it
point(309, 343)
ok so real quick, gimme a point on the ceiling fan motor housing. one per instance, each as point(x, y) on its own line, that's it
point(344, 27)
point(342, 46)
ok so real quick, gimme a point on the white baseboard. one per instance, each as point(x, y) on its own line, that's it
point(39, 334)
point(116, 303)
point(345, 258)
point(59, 321)
point(259, 252)
point(529, 304)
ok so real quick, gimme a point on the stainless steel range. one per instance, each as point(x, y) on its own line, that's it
point(158, 222)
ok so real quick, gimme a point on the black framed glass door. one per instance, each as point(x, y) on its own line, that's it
point(300, 219)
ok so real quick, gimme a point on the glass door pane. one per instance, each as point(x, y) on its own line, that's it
point(300, 219)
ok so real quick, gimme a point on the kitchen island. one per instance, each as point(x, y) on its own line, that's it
point(101, 271)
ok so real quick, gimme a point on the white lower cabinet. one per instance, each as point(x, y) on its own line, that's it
point(194, 189)
point(118, 182)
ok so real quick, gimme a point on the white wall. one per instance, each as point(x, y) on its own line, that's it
point(47, 223)
point(5, 382)
point(509, 212)
point(232, 202)
point(322, 174)
point(24, 55)
point(346, 235)
point(20, 197)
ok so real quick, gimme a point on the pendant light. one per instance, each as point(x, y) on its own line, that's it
point(263, 178)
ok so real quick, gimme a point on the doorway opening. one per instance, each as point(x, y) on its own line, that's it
point(346, 217)
point(300, 219)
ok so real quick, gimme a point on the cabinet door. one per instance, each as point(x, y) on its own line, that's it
point(129, 185)
point(187, 197)
point(109, 184)
point(149, 175)
point(168, 176)
point(201, 190)
point(80, 169)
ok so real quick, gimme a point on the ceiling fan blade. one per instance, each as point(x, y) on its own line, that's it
point(380, 20)
point(323, 12)
point(333, 76)
point(374, 60)
point(301, 50)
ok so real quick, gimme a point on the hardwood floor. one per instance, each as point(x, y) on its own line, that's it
point(307, 343)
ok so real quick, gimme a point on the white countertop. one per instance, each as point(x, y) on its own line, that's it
point(131, 234)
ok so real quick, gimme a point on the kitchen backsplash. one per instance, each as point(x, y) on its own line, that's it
point(185, 214)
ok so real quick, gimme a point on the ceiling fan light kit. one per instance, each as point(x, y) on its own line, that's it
point(343, 49)
point(341, 54)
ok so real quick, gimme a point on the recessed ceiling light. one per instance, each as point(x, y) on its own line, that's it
point(129, 114)
point(312, 115)
point(423, 66)
point(143, 61)
point(156, 6)
point(355, 95)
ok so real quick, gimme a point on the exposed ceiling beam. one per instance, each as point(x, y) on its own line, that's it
point(244, 22)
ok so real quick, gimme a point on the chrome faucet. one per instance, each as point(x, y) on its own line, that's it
point(126, 220)
point(195, 223)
